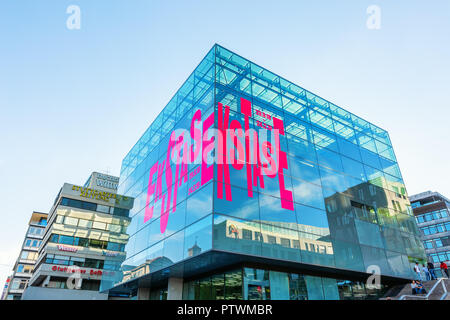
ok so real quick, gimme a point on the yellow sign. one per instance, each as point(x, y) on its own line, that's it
point(99, 195)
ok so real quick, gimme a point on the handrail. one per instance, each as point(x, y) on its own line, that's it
point(445, 291)
point(441, 280)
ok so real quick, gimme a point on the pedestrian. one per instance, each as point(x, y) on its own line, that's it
point(414, 287)
point(417, 270)
point(420, 288)
point(426, 272)
point(431, 269)
point(444, 268)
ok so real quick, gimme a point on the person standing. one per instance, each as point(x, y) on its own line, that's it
point(431, 269)
point(417, 270)
point(426, 272)
point(444, 268)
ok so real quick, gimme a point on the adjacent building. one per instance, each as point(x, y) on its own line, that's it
point(84, 239)
point(5, 288)
point(431, 210)
point(25, 263)
point(248, 186)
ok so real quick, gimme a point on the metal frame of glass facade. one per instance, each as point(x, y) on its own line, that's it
point(338, 202)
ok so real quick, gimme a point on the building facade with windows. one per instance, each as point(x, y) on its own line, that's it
point(25, 263)
point(5, 288)
point(249, 186)
point(431, 210)
point(84, 239)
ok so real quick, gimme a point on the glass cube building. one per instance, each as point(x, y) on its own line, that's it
point(248, 186)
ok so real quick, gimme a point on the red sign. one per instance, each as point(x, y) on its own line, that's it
point(66, 248)
point(92, 272)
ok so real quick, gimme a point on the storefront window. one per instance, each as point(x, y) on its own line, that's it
point(233, 285)
point(256, 284)
point(218, 287)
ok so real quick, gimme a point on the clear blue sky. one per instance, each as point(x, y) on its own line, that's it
point(75, 101)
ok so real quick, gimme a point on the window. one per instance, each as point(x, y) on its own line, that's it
point(97, 244)
point(93, 207)
point(78, 204)
point(104, 209)
point(54, 238)
point(430, 216)
point(88, 206)
point(59, 219)
point(285, 242)
point(49, 258)
point(445, 241)
point(15, 284)
point(447, 226)
point(92, 285)
point(77, 261)
point(85, 223)
point(74, 261)
point(57, 282)
point(429, 244)
point(246, 234)
point(60, 259)
point(28, 255)
point(71, 221)
point(437, 241)
point(65, 239)
point(114, 227)
point(82, 242)
point(28, 269)
point(93, 263)
point(121, 212)
point(18, 284)
point(113, 246)
point(85, 242)
point(442, 256)
point(35, 231)
point(271, 239)
point(99, 225)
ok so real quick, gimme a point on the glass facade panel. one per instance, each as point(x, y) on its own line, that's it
point(314, 287)
point(197, 237)
point(236, 235)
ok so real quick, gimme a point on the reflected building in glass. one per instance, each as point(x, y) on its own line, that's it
point(248, 186)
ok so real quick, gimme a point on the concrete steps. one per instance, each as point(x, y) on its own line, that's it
point(396, 292)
